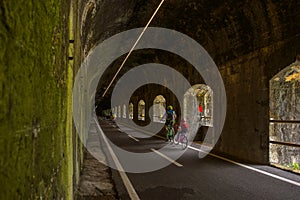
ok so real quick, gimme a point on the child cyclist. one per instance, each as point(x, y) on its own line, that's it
point(183, 129)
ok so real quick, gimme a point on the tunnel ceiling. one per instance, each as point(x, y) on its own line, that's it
point(226, 29)
point(144, 56)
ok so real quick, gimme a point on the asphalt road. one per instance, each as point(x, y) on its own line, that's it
point(206, 178)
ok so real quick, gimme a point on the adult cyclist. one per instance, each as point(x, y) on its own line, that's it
point(170, 116)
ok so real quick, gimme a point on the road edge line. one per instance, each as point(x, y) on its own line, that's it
point(251, 168)
point(128, 185)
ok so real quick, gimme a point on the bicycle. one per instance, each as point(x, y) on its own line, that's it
point(170, 134)
point(181, 139)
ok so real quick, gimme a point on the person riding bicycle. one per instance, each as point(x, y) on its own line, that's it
point(183, 128)
point(170, 116)
point(181, 137)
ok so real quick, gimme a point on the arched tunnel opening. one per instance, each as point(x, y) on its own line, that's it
point(53, 97)
point(284, 118)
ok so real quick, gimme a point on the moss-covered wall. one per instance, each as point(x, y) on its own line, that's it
point(36, 134)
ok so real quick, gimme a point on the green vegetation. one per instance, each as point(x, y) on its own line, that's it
point(294, 166)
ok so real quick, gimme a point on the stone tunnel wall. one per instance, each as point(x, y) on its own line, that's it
point(36, 77)
point(246, 131)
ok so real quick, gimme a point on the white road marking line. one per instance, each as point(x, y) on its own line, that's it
point(166, 157)
point(133, 138)
point(251, 168)
point(129, 187)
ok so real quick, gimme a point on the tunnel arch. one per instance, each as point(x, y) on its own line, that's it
point(204, 98)
point(284, 125)
point(130, 110)
point(204, 103)
point(124, 111)
point(119, 111)
point(141, 110)
point(159, 108)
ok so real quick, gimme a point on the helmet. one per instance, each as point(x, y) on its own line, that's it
point(170, 107)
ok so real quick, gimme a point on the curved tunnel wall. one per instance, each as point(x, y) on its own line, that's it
point(250, 41)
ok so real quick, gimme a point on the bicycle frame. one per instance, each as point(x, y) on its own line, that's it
point(170, 133)
point(181, 139)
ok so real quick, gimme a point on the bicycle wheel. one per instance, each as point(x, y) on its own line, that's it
point(171, 139)
point(176, 139)
point(170, 135)
point(184, 142)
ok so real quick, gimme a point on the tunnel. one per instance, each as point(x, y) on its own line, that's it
point(243, 105)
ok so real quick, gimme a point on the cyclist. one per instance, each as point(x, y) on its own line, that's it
point(182, 134)
point(170, 116)
point(183, 128)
